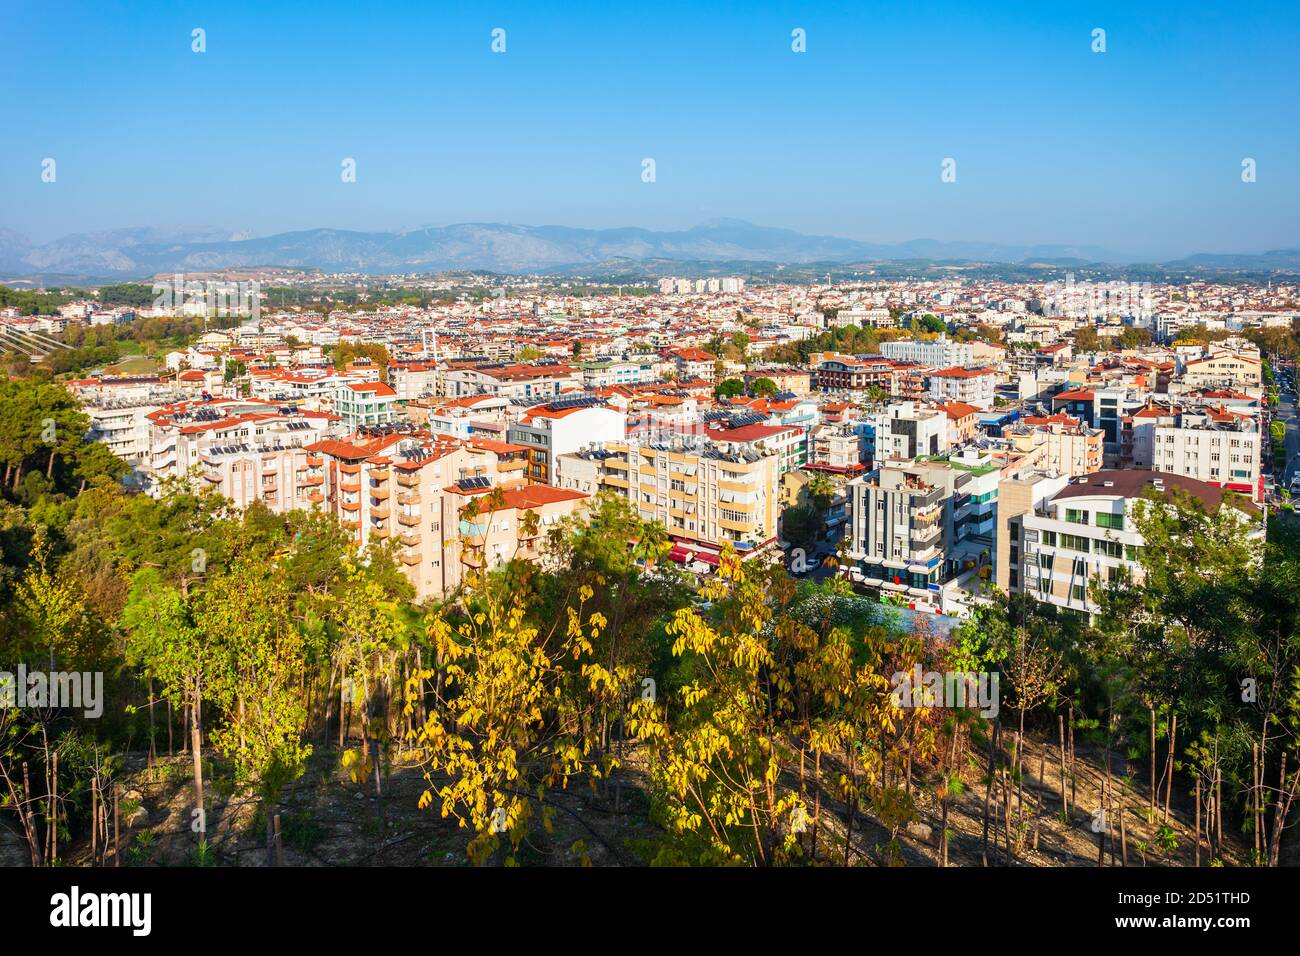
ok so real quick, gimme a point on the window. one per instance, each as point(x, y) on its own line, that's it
point(1075, 542)
point(1075, 516)
point(1077, 592)
point(1107, 520)
point(1111, 549)
point(1049, 538)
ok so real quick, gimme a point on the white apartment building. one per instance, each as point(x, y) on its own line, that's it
point(906, 430)
point(974, 386)
point(1210, 445)
point(942, 352)
point(1085, 535)
point(364, 404)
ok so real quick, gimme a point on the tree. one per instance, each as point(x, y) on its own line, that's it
point(729, 388)
point(258, 656)
point(507, 725)
point(764, 387)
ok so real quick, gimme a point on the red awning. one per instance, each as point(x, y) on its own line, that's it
point(679, 554)
point(708, 557)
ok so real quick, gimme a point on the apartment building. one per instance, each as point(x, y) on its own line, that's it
point(905, 430)
point(1212, 445)
point(853, 378)
point(535, 382)
point(694, 364)
point(835, 448)
point(492, 529)
point(879, 318)
point(787, 442)
point(119, 409)
point(942, 352)
point(563, 426)
point(606, 374)
point(392, 486)
point(413, 380)
point(365, 404)
point(973, 386)
point(244, 450)
point(702, 492)
point(1085, 534)
point(1056, 444)
point(1229, 369)
point(900, 527)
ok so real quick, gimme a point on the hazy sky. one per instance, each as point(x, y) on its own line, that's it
point(1137, 149)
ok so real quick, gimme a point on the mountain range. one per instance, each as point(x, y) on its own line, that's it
point(505, 248)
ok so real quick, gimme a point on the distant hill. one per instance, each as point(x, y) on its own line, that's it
point(506, 248)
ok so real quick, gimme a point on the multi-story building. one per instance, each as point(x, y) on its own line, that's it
point(1223, 368)
point(702, 492)
point(393, 487)
point(365, 404)
point(787, 442)
point(879, 318)
point(1085, 534)
point(1212, 445)
point(974, 386)
point(535, 382)
point(900, 527)
point(835, 448)
point(905, 430)
point(942, 352)
point(562, 426)
point(245, 450)
point(854, 378)
point(1056, 444)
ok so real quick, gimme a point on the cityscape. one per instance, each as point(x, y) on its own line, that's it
point(657, 537)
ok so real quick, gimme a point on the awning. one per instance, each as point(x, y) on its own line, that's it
point(679, 554)
point(708, 557)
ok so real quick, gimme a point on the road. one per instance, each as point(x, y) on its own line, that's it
point(1286, 412)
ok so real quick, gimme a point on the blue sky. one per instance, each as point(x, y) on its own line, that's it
point(1138, 149)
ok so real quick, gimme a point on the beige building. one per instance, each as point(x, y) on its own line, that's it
point(701, 494)
point(409, 487)
point(1057, 444)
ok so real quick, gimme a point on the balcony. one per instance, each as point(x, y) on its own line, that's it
point(379, 472)
point(730, 525)
point(410, 560)
point(408, 479)
point(408, 520)
point(350, 469)
point(727, 485)
point(412, 498)
point(380, 511)
point(379, 494)
point(410, 540)
point(350, 486)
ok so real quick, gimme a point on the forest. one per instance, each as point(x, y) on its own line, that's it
point(603, 707)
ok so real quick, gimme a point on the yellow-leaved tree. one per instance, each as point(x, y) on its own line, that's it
point(511, 717)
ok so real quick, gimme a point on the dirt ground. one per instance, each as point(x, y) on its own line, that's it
point(326, 820)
